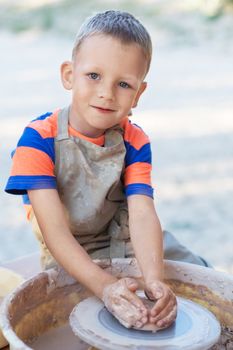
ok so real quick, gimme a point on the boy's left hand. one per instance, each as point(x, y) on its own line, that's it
point(164, 311)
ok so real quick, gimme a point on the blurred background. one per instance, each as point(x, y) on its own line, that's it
point(187, 110)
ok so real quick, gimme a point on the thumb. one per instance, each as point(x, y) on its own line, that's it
point(131, 284)
point(158, 293)
point(156, 290)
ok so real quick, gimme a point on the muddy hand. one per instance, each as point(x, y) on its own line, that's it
point(164, 312)
point(120, 299)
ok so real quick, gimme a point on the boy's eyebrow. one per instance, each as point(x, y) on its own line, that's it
point(129, 77)
point(91, 66)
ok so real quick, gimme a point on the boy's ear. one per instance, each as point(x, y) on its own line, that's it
point(140, 91)
point(67, 75)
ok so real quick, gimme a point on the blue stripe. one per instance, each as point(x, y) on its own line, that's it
point(26, 199)
point(133, 155)
point(139, 188)
point(32, 138)
point(42, 117)
point(12, 153)
point(21, 183)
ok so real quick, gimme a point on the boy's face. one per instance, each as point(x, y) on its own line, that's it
point(106, 79)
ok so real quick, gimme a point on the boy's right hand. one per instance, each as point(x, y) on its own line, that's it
point(120, 299)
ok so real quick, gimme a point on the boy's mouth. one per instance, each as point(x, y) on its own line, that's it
point(103, 110)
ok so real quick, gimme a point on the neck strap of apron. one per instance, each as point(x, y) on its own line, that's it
point(62, 124)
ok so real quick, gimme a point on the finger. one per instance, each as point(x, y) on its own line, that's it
point(131, 284)
point(149, 295)
point(164, 313)
point(164, 304)
point(129, 303)
point(160, 305)
point(128, 313)
point(116, 297)
point(137, 302)
point(129, 293)
point(124, 304)
point(157, 292)
point(157, 289)
point(130, 323)
point(168, 320)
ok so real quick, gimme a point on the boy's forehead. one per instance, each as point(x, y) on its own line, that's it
point(103, 41)
point(103, 50)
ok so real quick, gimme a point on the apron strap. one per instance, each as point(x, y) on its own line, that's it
point(62, 124)
point(113, 136)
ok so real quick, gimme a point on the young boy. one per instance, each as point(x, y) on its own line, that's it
point(86, 170)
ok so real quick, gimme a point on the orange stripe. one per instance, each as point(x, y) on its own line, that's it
point(138, 173)
point(99, 141)
point(31, 161)
point(135, 136)
point(46, 127)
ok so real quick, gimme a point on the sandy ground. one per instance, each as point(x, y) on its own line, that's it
point(187, 111)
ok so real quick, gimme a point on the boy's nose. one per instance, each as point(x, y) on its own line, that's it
point(105, 92)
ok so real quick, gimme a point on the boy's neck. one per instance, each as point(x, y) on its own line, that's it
point(74, 124)
point(87, 134)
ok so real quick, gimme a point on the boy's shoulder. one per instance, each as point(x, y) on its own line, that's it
point(45, 125)
point(134, 134)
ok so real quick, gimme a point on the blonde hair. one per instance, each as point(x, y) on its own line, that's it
point(118, 24)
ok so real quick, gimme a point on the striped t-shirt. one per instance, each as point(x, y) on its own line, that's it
point(34, 158)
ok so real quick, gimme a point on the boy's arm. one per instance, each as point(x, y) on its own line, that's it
point(118, 296)
point(61, 243)
point(146, 236)
point(147, 239)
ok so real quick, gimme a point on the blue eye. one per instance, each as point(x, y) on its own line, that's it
point(93, 76)
point(124, 85)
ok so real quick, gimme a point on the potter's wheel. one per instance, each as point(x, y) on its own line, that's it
point(195, 328)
